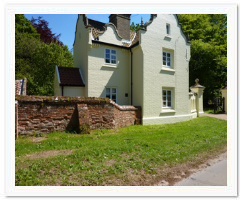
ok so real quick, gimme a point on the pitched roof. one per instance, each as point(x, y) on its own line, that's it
point(21, 87)
point(70, 76)
point(96, 24)
point(136, 38)
point(100, 27)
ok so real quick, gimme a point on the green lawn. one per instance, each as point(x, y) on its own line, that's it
point(135, 155)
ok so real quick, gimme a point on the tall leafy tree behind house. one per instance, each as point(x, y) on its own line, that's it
point(208, 62)
point(24, 26)
point(35, 59)
point(135, 27)
point(46, 35)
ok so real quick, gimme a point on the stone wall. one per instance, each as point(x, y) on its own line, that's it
point(36, 114)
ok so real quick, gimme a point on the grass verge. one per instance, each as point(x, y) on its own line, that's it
point(135, 155)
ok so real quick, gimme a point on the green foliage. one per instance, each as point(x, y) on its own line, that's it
point(23, 25)
point(45, 32)
point(208, 62)
point(105, 156)
point(36, 60)
point(135, 27)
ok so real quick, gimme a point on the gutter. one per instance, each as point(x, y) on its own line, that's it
point(115, 45)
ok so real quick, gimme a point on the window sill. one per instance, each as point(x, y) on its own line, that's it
point(109, 65)
point(168, 69)
point(168, 36)
point(166, 110)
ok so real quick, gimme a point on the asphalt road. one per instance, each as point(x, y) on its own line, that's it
point(215, 175)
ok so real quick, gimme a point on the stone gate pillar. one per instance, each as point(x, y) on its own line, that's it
point(198, 89)
point(224, 95)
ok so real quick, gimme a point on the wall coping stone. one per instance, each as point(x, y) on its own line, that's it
point(73, 100)
point(125, 107)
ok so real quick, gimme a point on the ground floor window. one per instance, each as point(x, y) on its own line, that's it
point(111, 93)
point(167, 98)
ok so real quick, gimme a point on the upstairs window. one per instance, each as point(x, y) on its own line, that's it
point(167, 59)
point(168, 29)
point(111, 93)
point(110, 56)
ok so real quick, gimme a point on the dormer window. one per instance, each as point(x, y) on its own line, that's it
point(110, 56)
point(168, 29)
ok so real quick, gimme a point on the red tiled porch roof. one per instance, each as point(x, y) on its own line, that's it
point(70, 76)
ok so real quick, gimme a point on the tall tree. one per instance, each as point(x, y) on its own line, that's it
point(46, 35)
point(37, 60)
point(208, 62)
point(135, 27)
point(23, 25)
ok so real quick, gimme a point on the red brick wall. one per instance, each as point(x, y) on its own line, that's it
point(16, 120)
point(101, 116)
point(47, 114)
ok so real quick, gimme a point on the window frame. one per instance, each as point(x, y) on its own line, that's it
point(168, 29)
point(110, 63)
point(164, 51)
point(171, 97)
point(111, 93)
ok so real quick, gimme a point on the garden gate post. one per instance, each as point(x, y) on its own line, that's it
point(197, 88)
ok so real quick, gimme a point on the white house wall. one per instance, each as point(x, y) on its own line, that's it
point(110, 36)
point(137, 76)
point(101, 75)
point(155, 78)
point(73, 91)
point(80, 50)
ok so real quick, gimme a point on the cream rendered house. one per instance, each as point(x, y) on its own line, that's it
point(149, 68)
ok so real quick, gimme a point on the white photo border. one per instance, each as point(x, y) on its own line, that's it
point(33, 8)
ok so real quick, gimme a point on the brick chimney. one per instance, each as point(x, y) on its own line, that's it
point(122, 22)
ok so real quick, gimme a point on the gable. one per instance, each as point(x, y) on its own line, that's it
point(104, 33)
point(157, 24)
point(110, 35)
